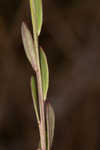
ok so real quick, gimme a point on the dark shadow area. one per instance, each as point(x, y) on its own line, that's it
point(71, 40)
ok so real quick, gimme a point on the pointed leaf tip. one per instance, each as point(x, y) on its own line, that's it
point(33, 88)
point(28, 45)
point(44, 73)
point(34, 96)
point(36, 14)
point(50, 120)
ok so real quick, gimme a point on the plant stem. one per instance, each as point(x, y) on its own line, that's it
point(42, 117)
point(41, 101)
point(40, 92)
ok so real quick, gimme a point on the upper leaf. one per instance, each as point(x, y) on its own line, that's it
point(44, 73)
point(50, 120)
point(34, 96)
point(37, 15)
point(28, 45)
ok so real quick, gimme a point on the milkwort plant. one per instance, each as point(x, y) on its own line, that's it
point(40, 81)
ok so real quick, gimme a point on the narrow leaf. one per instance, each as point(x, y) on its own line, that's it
point(44, 73)
point(50, 120)
point(36, 14)
point(28, 45)
point(34, 96)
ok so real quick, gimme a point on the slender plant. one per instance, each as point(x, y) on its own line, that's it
point(40, 80)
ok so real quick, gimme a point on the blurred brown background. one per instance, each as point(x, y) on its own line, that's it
point(71, 39)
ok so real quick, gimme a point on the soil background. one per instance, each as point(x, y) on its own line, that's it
point(71, 39)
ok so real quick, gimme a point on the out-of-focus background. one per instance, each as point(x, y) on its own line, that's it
point(71, 40)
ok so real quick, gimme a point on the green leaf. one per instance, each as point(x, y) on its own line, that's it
point(36, 14)
point(28, 45)
point(50, 120)
point(34, 97)
point(44, 73)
